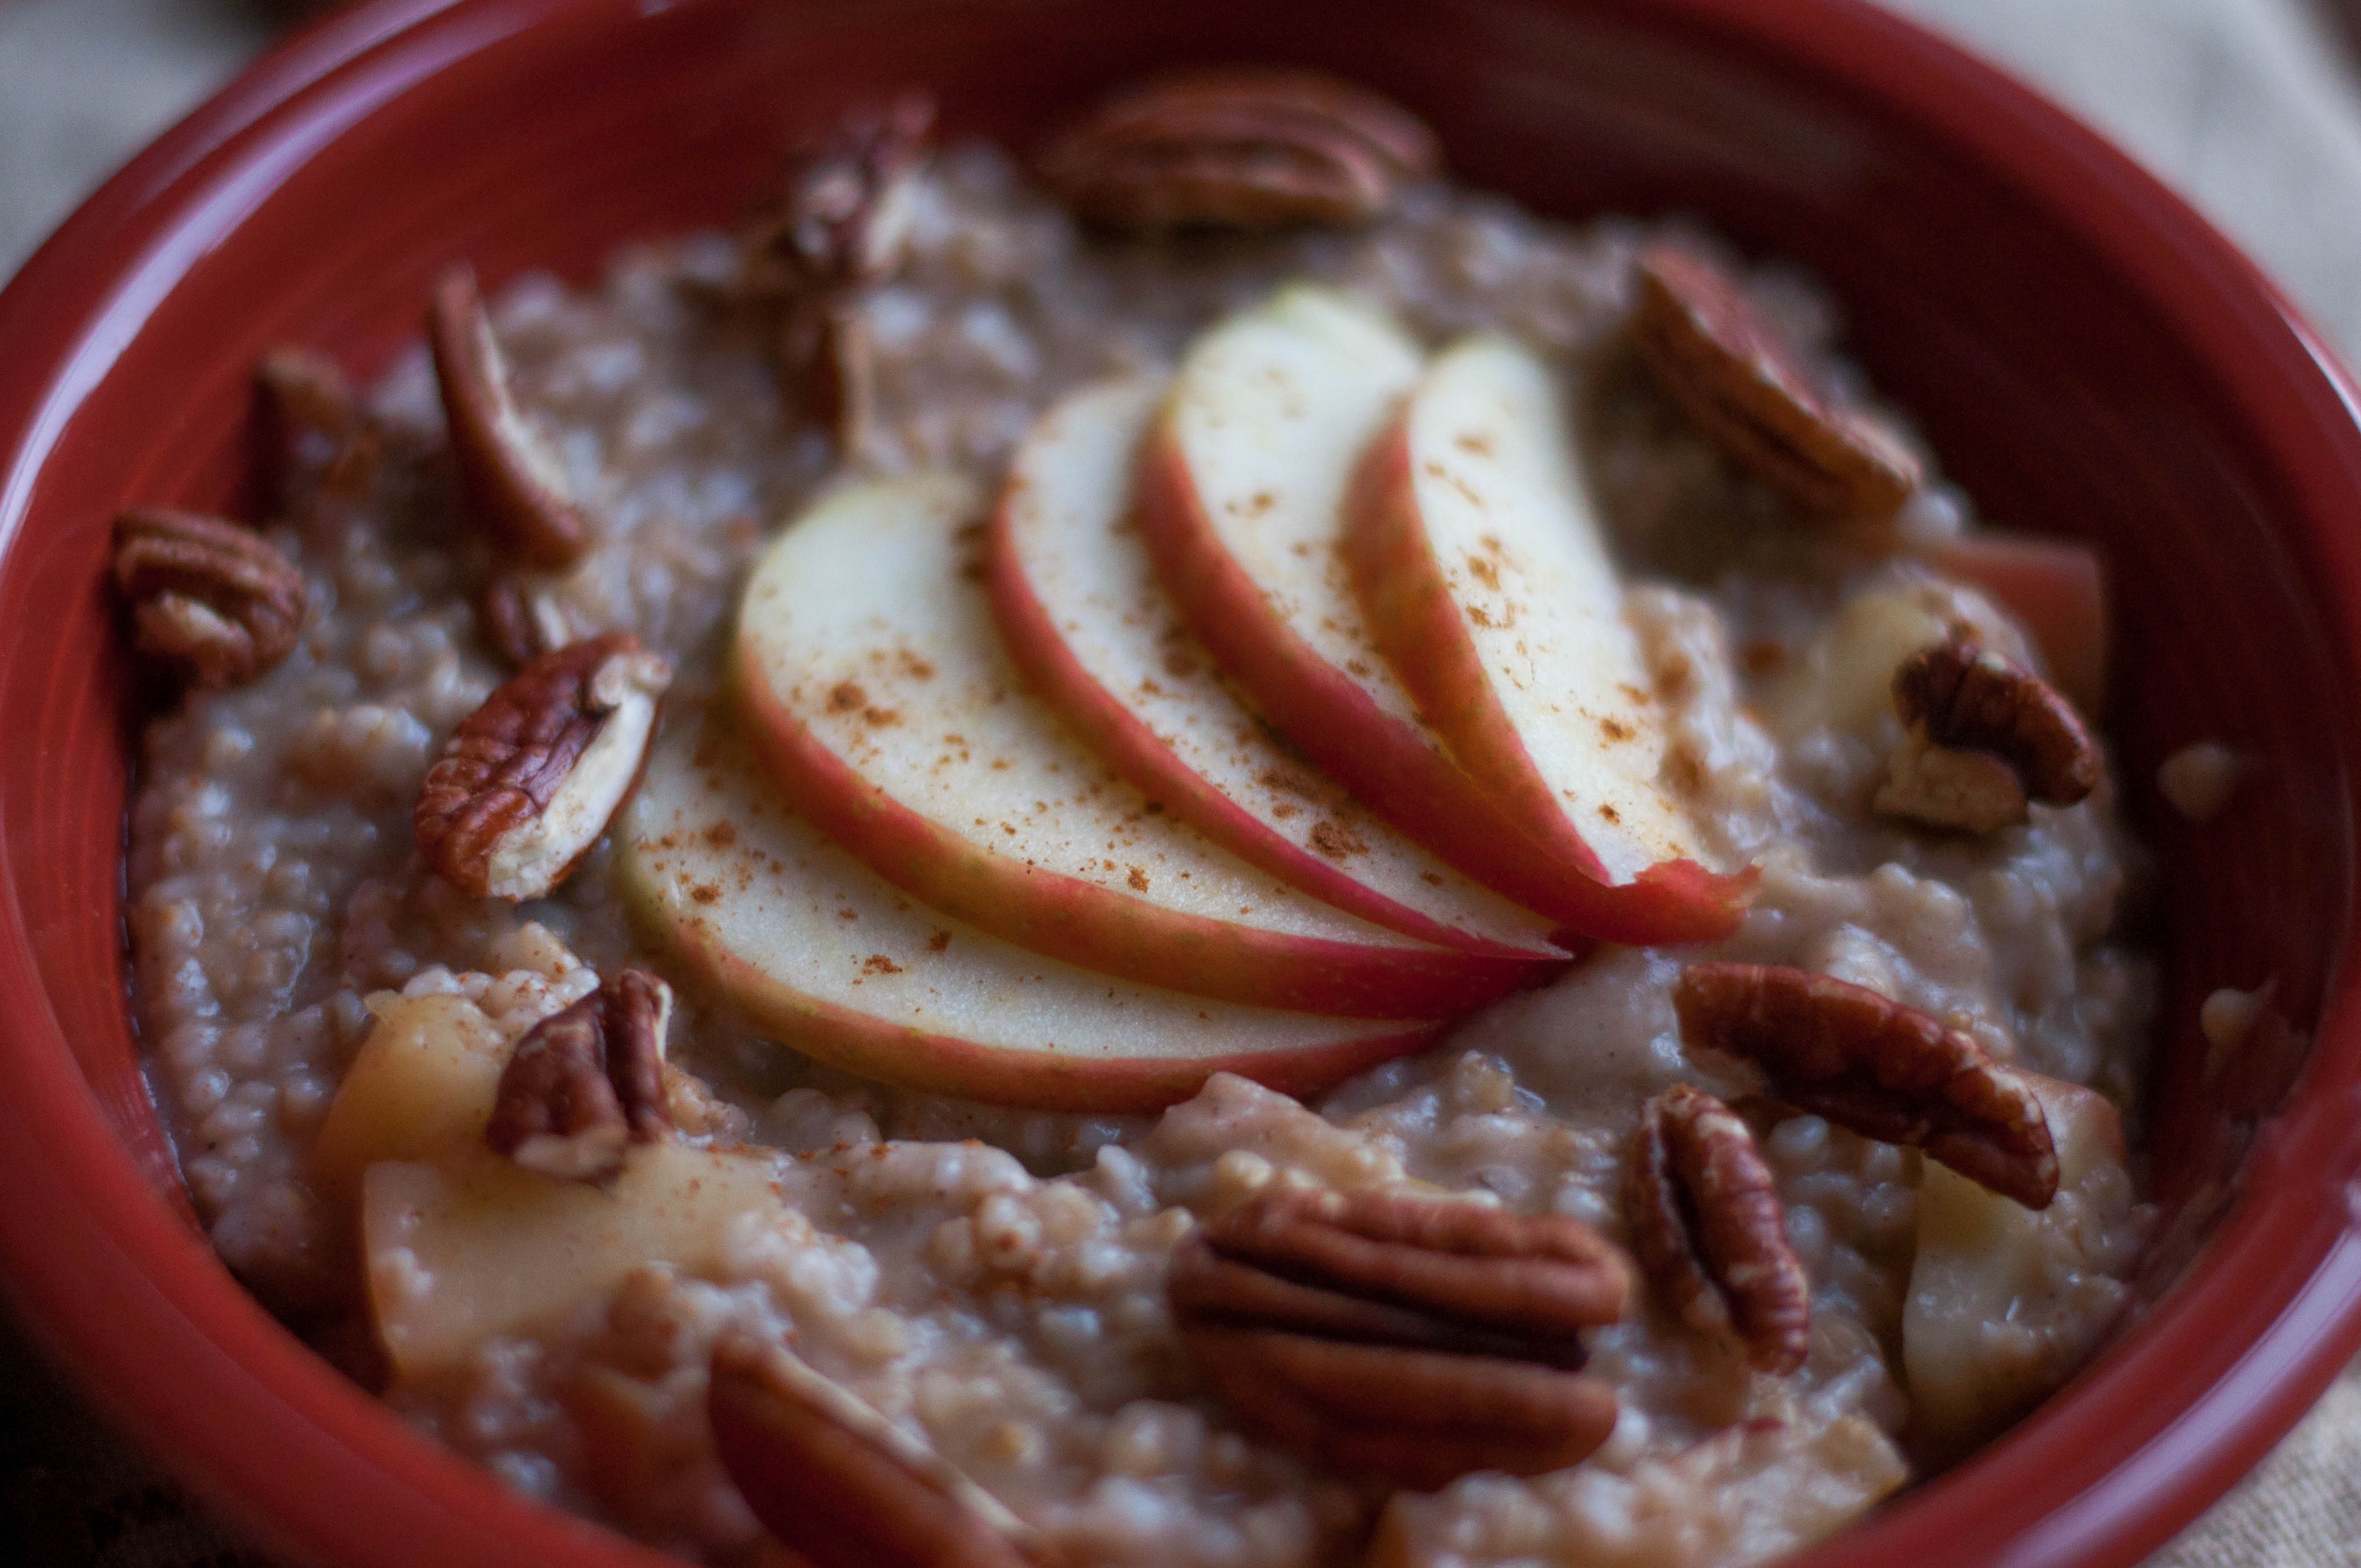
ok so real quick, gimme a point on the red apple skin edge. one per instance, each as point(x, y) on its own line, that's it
point(1131, 751)
point(1096, 928)
point(1388, 763)
point(1410, 612)
point(2056, 589)
point(913, 1059)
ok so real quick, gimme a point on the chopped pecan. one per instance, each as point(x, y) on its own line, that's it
point(1708, 1229)
point(1887, 1071)
point(828, 366)
point(586, 1082)
point(1750, 393)
point(829, 1474)
point(322, 444)
point(521, 619)
point(1238, 148)
point(515, 484)
point(210, 595)
point(1985, 735)
point(527, 782)
point(1412, 1338)
point(843, 215)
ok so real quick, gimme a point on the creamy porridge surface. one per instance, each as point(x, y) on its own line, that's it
point(993, 1280)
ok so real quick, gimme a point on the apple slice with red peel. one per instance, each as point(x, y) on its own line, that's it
point(2055, 589)
point(1079, 606)
point(1474, 549)
point(812, 943)
point(514, 482)
point(879, 697)
point(1242, 492)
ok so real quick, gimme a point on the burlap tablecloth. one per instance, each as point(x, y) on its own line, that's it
point(2251, 108)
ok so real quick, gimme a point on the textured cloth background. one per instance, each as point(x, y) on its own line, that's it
point(2251, 108)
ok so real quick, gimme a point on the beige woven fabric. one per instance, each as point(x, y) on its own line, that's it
point(2244, 104)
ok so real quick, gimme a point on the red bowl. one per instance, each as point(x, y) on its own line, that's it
point(2088, 356)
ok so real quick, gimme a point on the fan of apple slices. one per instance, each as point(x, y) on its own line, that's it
point(1272, 718)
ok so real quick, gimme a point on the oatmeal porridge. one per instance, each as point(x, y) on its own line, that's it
point(1203, 853)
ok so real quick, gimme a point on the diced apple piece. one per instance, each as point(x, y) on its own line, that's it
point(421, 1089)
point(815, 944)
point(1843, 679)
point(1986, 1332)
point(459, 1255)
point(1078, 604)
point(880, 698)
point(2055, 589)
point(1475, 548)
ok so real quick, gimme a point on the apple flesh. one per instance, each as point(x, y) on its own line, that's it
point(421, 1089)
point(1474, 549)
point(813, 944)
point(878, 695)
point(1984, 1335)
point(460, 1254)
point(1242, 491)
point(1076, 599)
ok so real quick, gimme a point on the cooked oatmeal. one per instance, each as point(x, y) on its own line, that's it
point(991, 1279)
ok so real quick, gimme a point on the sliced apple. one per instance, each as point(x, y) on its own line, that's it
point(2056, 589)
point(878, 695)
point(1985, 1331)
point(1474, 549)
point(459, 1255)
point(1080, 608)
point(1242, 495)
point(813, 944)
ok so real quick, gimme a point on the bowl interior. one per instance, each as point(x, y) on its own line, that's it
point(2090, 372)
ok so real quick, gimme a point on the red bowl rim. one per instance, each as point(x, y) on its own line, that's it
point(192, 1368)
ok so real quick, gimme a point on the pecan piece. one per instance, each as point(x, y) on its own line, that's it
point(826, 365)
point(1751, 395)
point(1238, 148)
point(527, 782)
point(1415, 1339)
point(586, 1082)
point(1887, 1071)
point(1707, 1228)
point(843, 214)
point(1986, 735)
point(826, 1473)
point(210, 595)
point(322, 446)
point(521, 620)
point(515, 484)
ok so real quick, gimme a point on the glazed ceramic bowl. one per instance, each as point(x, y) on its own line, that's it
point(2087, 357)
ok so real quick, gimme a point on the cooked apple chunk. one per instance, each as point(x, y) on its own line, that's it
point(2004, 1302)
point(421, 1089)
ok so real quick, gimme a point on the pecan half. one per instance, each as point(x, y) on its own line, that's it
point(322, 446)
point(521, 619)
point(1751, 395)
point(831, 1477)
point(526, 784)
point(1415, 1339)
point(586, 1083)
point(210, 595)
point(515, 484)
point(1707, 1228)
point(1238, 148)
point(1887, 1071)
point(843, 213)
point(1986, 735)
